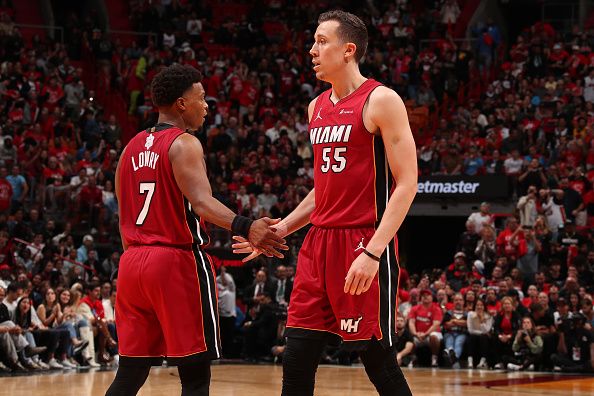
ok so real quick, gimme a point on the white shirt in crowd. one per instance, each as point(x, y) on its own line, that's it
point(480, 220)
point(513, 166)
point(226, 296)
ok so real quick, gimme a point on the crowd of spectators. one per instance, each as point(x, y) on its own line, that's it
point(525, 112)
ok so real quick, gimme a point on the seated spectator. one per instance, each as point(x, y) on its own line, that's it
point(56, 341)
point(15, 350)
point(259, 286)
point(405, 345)
point(507, 323)
point(527, 348)
point(424, 322)
point(91, 309)
point(575, 352)
point(480, 325)
point(50, 314)
point(588, 312)
point(260, 332)
point(455, 331)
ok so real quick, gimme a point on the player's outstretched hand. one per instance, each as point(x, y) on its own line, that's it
point(263, 238)
point(360, 275)
point(244, 246)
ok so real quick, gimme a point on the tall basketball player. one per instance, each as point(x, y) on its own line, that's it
point(365, 181)
point(166, 305)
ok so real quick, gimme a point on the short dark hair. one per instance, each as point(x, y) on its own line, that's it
point(351, 29)
point(172, 82)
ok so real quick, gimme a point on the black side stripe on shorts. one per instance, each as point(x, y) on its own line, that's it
point(210, 314)
point(389, 269)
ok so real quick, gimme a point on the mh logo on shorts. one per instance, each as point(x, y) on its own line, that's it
point(350, 325)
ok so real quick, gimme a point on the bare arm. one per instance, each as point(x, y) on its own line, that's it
point(189, 168)
point(386, 113)
point(412, 327)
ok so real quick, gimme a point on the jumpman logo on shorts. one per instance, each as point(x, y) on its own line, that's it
point(360, 245)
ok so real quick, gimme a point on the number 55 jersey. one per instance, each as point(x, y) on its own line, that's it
point(351, 176)
point(153, 210)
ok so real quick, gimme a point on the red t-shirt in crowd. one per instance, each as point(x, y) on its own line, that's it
point(424, 317)
point(91, 195)
point(506, 325)
point(5, 194)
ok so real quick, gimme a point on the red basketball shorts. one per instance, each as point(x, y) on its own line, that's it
point(319, 304)
point(166, 306)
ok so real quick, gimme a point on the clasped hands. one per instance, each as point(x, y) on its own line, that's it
point(265, 237)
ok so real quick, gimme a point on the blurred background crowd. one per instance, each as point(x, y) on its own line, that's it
point(483, 98)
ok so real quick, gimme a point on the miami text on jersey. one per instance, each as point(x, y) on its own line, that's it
point(330, 134)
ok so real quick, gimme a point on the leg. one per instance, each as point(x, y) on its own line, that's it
point(128, 380)
point(300, 363)
point(459, 345)
point(435, 345)
point(448, 340)
point(382, 370)
point(8, 349)
point(195, 378)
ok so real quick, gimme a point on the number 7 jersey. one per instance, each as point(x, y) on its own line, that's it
point(153, 210)
point(352, 179)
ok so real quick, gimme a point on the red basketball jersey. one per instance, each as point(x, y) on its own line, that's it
point(153, 210)
point(352, 180)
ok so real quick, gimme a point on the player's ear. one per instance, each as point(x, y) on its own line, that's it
point(180, 103)
point(351, 49)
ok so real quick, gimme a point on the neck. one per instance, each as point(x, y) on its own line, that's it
point(346, 82)
point(167, 116)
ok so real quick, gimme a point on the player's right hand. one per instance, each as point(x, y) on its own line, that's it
point(263, 238)
point(244, 246)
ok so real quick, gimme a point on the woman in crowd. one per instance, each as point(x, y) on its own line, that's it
point(480, 326)
point(527, 348)
point(56, 341)
point(507, 323)
point(469, 300)
point(51, 315)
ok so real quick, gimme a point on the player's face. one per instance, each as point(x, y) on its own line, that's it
point(195, 106)
point(327, 51)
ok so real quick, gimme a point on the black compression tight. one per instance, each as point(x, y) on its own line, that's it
point(383, 371)
point(195, 379)
point(300, 362)
point(301, 358)
point(128, 380)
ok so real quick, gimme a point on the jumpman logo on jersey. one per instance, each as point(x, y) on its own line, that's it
point(149, 141)
point(318, 117)
point(360, 245)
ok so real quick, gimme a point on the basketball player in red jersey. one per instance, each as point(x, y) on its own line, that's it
point(365, 181)
point(166, 305)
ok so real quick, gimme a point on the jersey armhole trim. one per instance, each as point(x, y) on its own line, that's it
point(363, 110)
